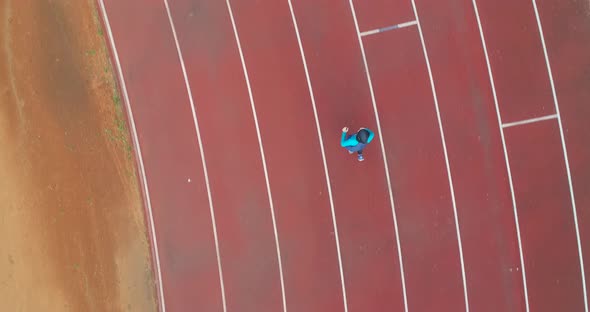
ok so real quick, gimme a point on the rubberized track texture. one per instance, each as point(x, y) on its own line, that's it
point(474, 193)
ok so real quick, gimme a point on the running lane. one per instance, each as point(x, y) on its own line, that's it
point(171, 155)
point(234, 163)
point(361, 197)
point(516, 57)
point(476, 155)
point(417, 164)
point(296, 173)
point(567, 35)
point(543, 200)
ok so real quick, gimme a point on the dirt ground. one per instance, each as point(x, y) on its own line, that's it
point(72, 227)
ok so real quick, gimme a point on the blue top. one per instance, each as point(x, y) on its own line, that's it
point(350, 142)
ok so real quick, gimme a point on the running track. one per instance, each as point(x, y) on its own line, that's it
point(474, 195)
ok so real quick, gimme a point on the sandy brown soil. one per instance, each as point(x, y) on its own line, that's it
point(72, 230)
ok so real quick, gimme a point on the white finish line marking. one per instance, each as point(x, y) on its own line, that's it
point(528, 121)
point(388, 28)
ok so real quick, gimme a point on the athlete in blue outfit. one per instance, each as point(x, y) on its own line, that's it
point(356, 142)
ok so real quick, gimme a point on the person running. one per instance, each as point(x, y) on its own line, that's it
point(356, 142)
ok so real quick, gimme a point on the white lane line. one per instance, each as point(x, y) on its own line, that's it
point(152, 228)
point(204, 163)
point(325, 162)
point(528, 121)
point(385, 163)
point(255, 115)
point(388, 28)
point(444, 144)
point(505, 150)
point(565, 155)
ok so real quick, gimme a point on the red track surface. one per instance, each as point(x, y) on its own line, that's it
point(476, 157)
point(364, 215)
point(422, 197)
point(241, 226)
